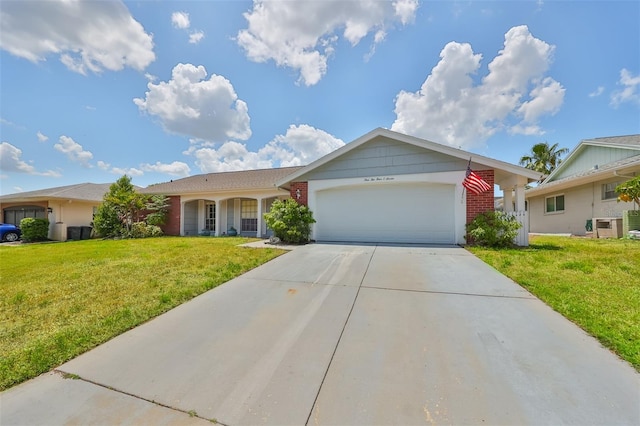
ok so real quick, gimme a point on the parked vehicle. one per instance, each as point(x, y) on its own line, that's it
point(9, 232)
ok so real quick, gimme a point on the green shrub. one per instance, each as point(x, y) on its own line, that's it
point(142, 230)
point(34, 229)
point(290, 221)
point(493, 229)
point(106, 221)
point(158, 208)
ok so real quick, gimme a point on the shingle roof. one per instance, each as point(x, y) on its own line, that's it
point(81, 191)
point(601, 170)
point(224, 181)
point(629, 140)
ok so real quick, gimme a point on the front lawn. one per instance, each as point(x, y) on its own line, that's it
point(593, 282)
point(58, 300)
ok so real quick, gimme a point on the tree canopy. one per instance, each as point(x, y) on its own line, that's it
point(543, 158)
point(629, 190)
point(123, 208)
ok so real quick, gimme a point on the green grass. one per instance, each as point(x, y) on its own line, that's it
point(593, 282)
point(61, 299)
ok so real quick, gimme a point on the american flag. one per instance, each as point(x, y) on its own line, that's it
point(475, 183)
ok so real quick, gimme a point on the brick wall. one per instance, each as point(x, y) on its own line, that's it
point(304, 192)
point(172, 227)
point(480, 203)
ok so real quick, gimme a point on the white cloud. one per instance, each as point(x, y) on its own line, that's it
point(180, 20)
point(188, 104)
point(449, 108)
point(42, 137)
point(88, 35)
point(231, 156)
point(300, 145)
point(302, 35)
point(11, 162)
point(545, 98)
point(74, 151)
point(597, 92)
point(150, 77)
point(177, 168)
point(196, 37)
point(630, 91)
point(131, 171)
point(102, 165)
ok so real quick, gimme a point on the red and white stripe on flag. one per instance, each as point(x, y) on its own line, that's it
point(475, 183)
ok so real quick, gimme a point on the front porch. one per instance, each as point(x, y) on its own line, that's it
point(216, 216)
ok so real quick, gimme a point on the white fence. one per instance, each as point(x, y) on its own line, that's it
point(522, 239)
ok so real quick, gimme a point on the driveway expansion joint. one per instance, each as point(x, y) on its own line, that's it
point(346, 321)
point(499, 296)
point(190, 413)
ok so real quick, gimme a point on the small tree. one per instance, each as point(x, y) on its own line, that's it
point(493, 229)
point(629, 191)
point(122, 208)
point(158, 208)
point(126, 201)
point(290, 221)
point(106, 221)
point(34, 229)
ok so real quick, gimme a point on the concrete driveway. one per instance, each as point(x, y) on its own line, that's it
point(345, 334)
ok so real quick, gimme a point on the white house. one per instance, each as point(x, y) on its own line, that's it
point(390, 187)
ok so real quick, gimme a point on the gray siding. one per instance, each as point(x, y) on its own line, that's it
point(191, 218)
point(592, 156)
point(230, 218)
point(381, 157)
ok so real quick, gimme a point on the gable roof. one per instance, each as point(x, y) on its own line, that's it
point(223, 181)
point(79, 192)
point(622, 167)
point(629, 142)
point(502, 170)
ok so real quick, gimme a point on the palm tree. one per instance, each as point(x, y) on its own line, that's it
point(543, 158)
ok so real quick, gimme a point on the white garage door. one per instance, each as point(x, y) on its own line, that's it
point(394, 213)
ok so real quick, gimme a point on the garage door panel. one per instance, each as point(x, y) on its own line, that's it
point(416, 212)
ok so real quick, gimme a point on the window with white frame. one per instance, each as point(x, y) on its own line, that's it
point(249, 216)
point(210, 217)
point(609, 190)
point(554, 204)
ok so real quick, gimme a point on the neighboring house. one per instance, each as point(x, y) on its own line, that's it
point(64, 206)
point(390, 187)
point(581, 190)
point(216, 202)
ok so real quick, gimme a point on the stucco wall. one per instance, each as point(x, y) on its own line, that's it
point(580, 204)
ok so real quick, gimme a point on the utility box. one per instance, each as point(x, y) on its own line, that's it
point(630, 221)
point(608, 227)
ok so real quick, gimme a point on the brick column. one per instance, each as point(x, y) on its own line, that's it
point(172, 226)
point(303, 188)
point(480, 203)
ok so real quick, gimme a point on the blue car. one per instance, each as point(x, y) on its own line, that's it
point(9, 232)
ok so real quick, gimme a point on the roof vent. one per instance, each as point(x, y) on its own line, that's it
point(595, 167)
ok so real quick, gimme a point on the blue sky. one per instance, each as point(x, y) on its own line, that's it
point(160, 90)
